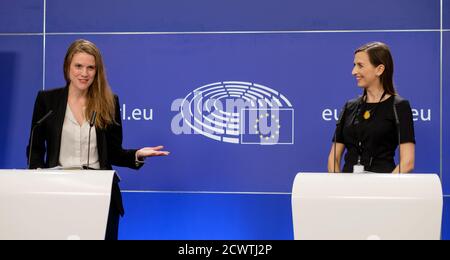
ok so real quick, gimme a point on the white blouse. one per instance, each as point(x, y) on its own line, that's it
point(74, 143)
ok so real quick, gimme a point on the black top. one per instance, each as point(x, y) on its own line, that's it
point(47, 138)
point(377, 134)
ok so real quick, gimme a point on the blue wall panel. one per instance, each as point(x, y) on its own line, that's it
point(206, 216)
point(215, 216)
point(446, 14)
point(446, 115)
point(20, 79)
point(236, 15)
point(151, 71)
point(446, 220)
point(21, 16)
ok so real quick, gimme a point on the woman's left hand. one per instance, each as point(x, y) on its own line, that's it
point(145, 152)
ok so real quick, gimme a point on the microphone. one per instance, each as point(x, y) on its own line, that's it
point(91, 124)
point(39, 122)
point(338, 122)
point(397, 124)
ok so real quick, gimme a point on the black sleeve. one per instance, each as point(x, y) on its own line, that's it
point(116, 154)
point(406, 122)
point(340, 124)
point(38, 136)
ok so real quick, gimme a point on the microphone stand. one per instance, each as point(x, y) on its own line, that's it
point(31, 145)
point(38, 123)
point(91, 124)
point(397, 124)
point(334, 137)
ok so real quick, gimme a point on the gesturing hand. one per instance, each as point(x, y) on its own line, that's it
point(145, 152)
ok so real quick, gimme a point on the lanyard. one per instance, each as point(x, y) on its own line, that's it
point(361, 126)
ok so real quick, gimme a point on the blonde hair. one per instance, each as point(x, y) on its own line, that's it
point(100, 97)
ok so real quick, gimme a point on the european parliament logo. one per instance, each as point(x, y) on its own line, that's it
point(236, 112)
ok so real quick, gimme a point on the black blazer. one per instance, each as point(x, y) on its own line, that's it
point(47, 139)
point(47, 136)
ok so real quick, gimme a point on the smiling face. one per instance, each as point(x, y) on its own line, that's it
point(364, 71)
point(82, 70)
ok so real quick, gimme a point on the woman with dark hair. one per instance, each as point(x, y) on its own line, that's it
point(372, 126)
point(63, 138)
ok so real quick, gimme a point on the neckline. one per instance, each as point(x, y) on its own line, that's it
point(71, 116)
point(374, 103)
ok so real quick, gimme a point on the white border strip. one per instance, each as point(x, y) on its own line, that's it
point(217, 32)
point(244, 32)
point(441, 89)
point(21, 34)
point(230, 32)
point(209, 192)
point(215, 192)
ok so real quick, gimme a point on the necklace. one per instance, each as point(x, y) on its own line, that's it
point(368, 113)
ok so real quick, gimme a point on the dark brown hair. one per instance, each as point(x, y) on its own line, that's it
point(379, 54)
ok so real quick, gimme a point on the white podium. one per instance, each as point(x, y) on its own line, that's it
point(54, 204)
point(367, 206)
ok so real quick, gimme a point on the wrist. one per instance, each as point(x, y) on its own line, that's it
point(138, 158)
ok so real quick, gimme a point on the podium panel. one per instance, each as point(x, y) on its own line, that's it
point(54, 204)
point(367, 206)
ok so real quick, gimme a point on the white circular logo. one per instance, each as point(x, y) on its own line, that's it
point(240, 113)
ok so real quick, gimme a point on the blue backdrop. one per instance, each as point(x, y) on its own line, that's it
point(157, 54)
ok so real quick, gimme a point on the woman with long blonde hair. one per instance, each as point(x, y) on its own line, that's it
point(81, 125)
